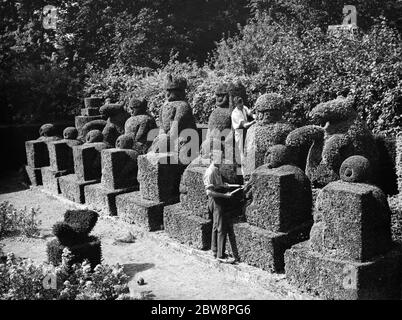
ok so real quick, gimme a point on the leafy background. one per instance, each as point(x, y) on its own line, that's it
point(123, 48)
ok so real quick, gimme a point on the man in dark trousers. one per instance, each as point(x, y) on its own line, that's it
point(218, 195)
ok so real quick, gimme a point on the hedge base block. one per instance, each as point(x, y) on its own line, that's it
point(73, 189)
point(337, 279)
point(265, 249)
point(50, 179)
point(186, 228)
point(132, 208)
point(102, 199)
point(34, 175)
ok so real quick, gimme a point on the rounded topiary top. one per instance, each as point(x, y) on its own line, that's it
point(94, 136)
point(305, 136)
point(83, 221)
point(175, 83)
point(137, 106)
point(278, 155)
point(111, 109)
point(269, 102)
point(70, 133)
point(333, 111)
point(237, 89)
point(47, 130)
point(125, 141)
point(356, 169)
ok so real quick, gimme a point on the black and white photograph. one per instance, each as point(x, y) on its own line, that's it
point(196, 157)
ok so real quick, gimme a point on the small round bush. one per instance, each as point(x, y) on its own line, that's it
point(70, 133)
point(333, 111)
point(125, 141)
point(94, 136)
point(270, 101)
point(47, 130)
point(355, 169)
point(278, 155)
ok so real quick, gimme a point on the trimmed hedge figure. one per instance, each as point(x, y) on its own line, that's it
point(111, 128)
point(269, 130)
point(73, 233)
point(278, 211)
point(343, 135)
point(138, 126)
point(175, 116)
point(94, 136)
point(47, 132)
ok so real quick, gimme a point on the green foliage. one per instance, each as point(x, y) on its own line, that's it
point(21, 279)
point(22, 221)
point(311, 67)
point(304, 14)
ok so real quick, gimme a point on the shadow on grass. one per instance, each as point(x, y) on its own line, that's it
point(131, 269)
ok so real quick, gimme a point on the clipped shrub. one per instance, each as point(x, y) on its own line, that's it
point(304, 136)
point(86, 249)
point(356, 169)
point(84, 220)
point(73, 233)
point(279, 155)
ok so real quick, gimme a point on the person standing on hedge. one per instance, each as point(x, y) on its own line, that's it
point(240, 122)
point(218, 196)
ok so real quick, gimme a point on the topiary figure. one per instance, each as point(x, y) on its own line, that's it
point(98, 124)
point(70, 136)
point(269, 130)
point(111, 128)
point(342, 136)
point(94, 136)
point(73, 233)
point(116, 119)
point(47, 132)
point(296, 194)
point(70, 133)
point(356, 169)
point(175, 116)
point(279, 155)
point(139, 125)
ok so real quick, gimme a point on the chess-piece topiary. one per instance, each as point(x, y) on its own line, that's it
point(175, 116)
point(70, 133)
point(47, 132)
point(94, 136)
point(356, 169)
point(139, 125)
point(113, 126)
point(73, 233)
point(343, 135)
point(269, 130)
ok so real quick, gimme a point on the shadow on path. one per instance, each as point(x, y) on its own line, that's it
point(131, 269)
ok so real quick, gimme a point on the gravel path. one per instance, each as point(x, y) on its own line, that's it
point(168, 273)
